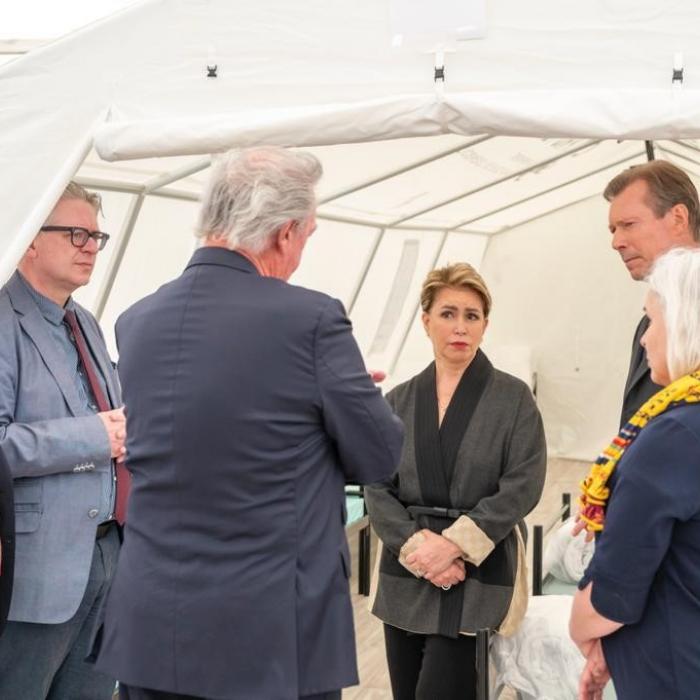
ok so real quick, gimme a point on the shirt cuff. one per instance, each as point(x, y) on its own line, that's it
point(470, 538)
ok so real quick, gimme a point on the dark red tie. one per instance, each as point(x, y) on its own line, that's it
point(122, 474)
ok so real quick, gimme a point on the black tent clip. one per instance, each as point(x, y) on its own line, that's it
point(211, 71)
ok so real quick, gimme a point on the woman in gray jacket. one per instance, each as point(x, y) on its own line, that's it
point(472, 467)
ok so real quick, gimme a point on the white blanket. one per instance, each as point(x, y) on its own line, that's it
point(540, 661)
point(566, 557)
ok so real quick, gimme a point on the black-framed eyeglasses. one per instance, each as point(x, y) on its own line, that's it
point(79, 236)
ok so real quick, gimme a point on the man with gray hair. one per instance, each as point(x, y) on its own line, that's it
point(653, 207)
point(248, 408)
point(62, 434)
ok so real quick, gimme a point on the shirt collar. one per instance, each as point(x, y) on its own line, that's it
point(49, 309)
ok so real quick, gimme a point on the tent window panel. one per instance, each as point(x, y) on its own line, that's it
point(397, 297)
point(388, 298)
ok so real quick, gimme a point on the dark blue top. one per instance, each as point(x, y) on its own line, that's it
point(646, 567)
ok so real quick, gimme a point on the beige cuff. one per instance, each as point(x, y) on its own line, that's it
point(410, 546)
point(471, 539)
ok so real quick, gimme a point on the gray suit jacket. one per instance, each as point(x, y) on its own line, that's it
point(59, 457)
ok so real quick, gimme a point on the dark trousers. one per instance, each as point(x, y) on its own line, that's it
point(426, 667)
point(40, 661)
point(133, 693)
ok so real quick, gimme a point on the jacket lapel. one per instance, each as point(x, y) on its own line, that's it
point(638, 364)
point(432, 477)
point(461, 409)
point(436, 447)
point(34, 325)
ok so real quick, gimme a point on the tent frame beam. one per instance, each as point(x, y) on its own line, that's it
point(549, 190)
point(118, 255)
point(406, 168)
point(183, 195)
point(494, 183)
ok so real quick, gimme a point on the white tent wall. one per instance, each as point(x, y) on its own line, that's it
point(323, 72)
point(160, 246)
point(577, 77)
point(561, 291)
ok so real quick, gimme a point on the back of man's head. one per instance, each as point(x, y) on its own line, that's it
point(253, 192)
point(667, 186)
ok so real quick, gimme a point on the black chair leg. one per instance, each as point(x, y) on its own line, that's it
point(364, 552)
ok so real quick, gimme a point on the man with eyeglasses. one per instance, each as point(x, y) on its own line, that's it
point(62, 433)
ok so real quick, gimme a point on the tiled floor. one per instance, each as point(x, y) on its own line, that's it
point(562, 476)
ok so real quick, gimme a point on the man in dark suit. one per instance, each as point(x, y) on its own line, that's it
point(653, 208)
point(248, 408)
point(61, 430)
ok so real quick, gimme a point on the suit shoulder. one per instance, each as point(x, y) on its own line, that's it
point(402, 395)
point(306, 306)
point(310, 297)
point(505, 382)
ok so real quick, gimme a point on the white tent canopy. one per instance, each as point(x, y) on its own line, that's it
point(500, 164)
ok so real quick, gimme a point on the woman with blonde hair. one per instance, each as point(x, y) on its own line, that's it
point(637, 612)
point(472, 467)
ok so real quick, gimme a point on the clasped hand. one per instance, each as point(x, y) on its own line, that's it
point(114, 422)
point(438, 559)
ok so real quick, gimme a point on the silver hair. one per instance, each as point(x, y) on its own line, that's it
point(254, 191)
point(675, 279)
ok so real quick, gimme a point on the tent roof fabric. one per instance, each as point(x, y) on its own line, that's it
point(325, 72)
point(530, 121)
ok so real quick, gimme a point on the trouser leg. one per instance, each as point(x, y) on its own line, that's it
point(404, 655)
point(39, 661)
point(448, 671)
point(78, 679)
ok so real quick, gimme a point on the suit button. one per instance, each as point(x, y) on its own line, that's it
point(92, 513)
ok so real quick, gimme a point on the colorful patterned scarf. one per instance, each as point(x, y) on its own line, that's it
point(595, 491)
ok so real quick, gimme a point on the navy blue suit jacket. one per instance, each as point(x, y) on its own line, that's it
point(248, 408)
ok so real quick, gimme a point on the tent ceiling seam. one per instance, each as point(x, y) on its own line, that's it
point(404, 169)
point(494, 183)
point(509, 229)
point(549, 190)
